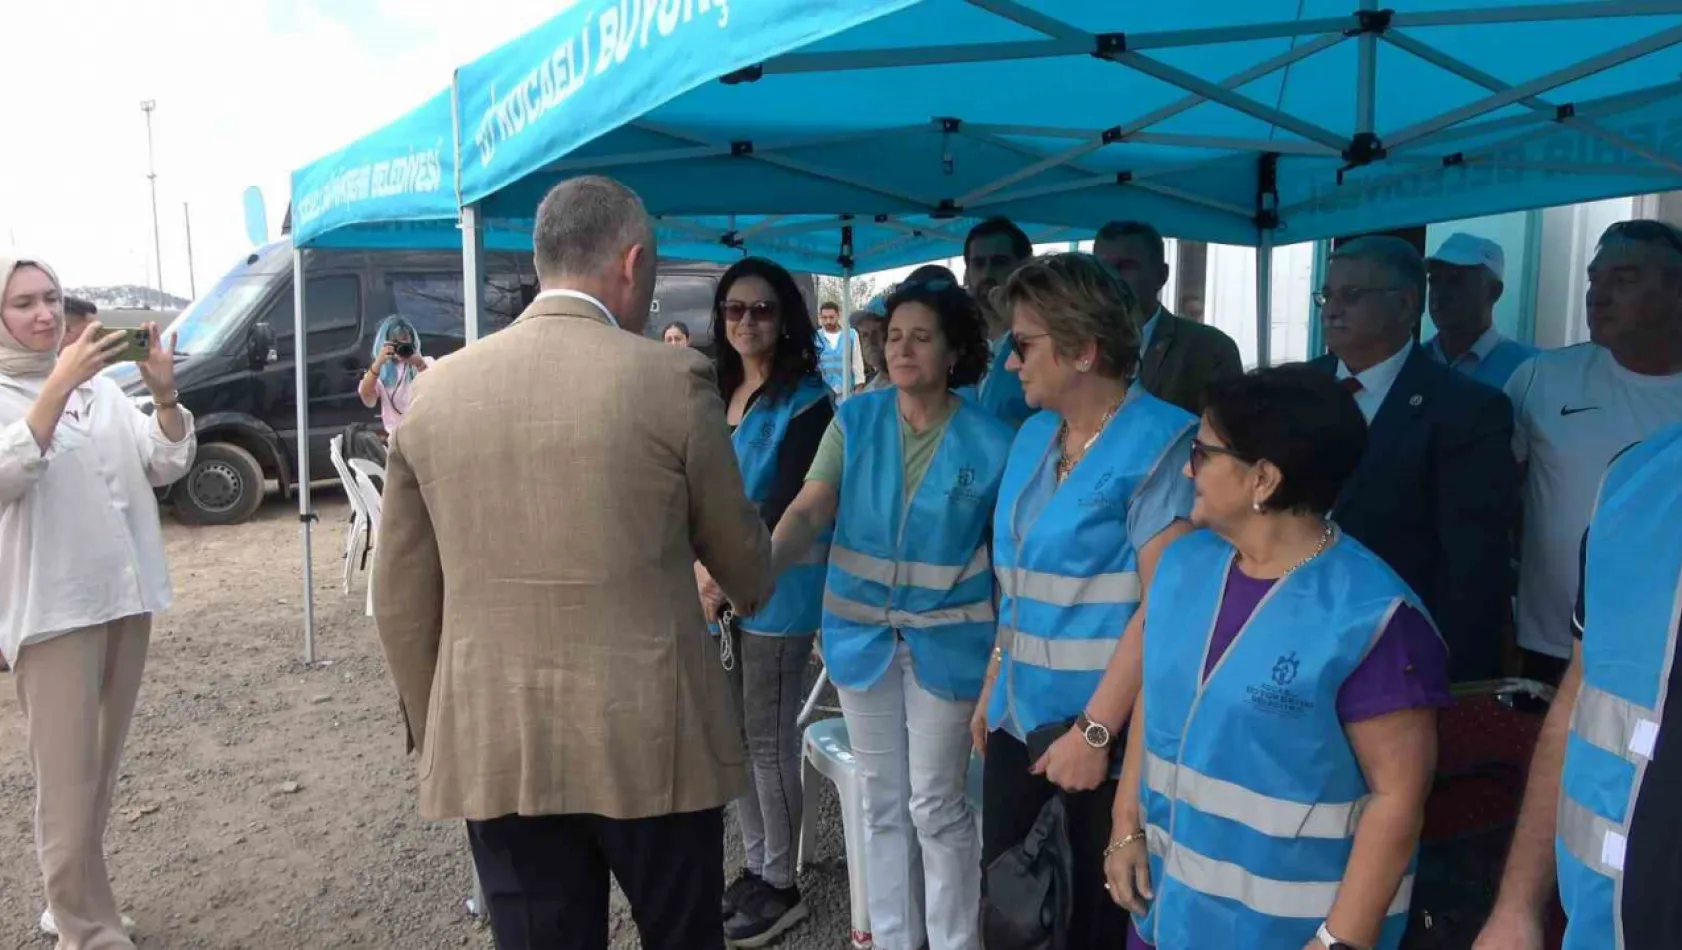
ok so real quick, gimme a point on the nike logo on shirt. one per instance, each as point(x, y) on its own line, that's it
point(1569, 411)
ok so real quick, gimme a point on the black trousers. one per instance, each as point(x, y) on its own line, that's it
point(546, 879)
point(1011, 800)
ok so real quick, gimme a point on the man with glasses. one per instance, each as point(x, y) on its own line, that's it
point(992, 250)
point(1579, 406)
point(1436, 492)
point(1466, 281)
point(1179, 358)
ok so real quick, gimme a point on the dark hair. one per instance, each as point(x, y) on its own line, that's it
point(682, 328)
point(796, 355)
point(1120, 230)
point(930, 272)
point(1019, 242)
point(960, 322)
point(829, 305)
point(1299, 419)
point(77, 307)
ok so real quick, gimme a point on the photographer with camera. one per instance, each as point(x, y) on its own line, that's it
point(397, 361)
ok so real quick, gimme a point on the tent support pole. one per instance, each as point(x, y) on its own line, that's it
point(1366, 75)
point(1264, 298)
point(300, 363)
point(846, 334)
point(472, 270)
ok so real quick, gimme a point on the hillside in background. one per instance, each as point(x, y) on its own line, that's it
point(126, 297)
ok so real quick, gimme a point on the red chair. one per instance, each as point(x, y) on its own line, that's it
point(1484, 744)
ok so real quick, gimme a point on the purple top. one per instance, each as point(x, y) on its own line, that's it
point(1407, 668)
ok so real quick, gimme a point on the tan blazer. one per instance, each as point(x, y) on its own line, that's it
point(545, 501)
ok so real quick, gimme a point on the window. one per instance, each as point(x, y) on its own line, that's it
point(333, 306)
point(433, 303)
point(685, 298)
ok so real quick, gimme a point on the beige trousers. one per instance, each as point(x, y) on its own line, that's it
point(78, 692)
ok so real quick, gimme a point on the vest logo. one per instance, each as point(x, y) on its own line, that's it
point(1105, 492)
point(1285, 670)
point(966, 477)
point(963, 488)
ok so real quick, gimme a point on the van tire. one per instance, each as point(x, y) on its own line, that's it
point(225, 486)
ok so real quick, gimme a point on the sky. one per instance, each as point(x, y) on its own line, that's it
point(246, 91)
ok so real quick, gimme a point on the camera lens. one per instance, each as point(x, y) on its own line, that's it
point(405, 350)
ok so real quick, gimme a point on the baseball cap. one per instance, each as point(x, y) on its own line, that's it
point(1468, 250)
point(876, 308)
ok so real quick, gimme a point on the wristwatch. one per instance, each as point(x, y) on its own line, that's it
point(1331, 942)
point(1096, 734)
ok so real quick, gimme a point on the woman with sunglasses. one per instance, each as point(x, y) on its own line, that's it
point(1091, 495)
point(907, 477)
point(1284, 741)
point(778, 408)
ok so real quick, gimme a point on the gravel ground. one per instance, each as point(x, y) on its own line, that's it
point(265, 803)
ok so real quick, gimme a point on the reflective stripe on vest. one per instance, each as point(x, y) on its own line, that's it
point(1270, 816)
point(1061, 591)
point(1591, 839)
point(1614, 724)
point(909, 573)
point(1064, 656)
point(978, 612)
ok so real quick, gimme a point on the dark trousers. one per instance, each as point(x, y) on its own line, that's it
point(546, 879)
point(1011, 800)
point(1543, 667)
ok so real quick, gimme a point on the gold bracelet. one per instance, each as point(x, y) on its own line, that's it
point(1123, 842)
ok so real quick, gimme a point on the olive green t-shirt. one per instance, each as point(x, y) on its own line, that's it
point(918, 450)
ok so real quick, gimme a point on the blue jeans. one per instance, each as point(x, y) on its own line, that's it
point(768, 680)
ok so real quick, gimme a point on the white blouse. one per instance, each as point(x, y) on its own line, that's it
point(80, 542)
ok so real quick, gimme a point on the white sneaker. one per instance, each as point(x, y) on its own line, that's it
point(49, 926)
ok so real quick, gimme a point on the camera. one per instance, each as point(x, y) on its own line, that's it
point(405, 350)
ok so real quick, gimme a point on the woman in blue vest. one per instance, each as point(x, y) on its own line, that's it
point(1285, 736)
point(908, 477)
point(1091, 495)
point(778, 408)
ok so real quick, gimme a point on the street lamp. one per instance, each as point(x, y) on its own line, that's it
point(152, 176)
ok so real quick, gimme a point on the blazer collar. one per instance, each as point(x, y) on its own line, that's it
point(568, 305)
point(1407, 401)
point(1156, 348)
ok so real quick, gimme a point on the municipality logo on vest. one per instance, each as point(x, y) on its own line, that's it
point(1285, 670)
point(963, 488)
point(966, 477)
point(1274, 697)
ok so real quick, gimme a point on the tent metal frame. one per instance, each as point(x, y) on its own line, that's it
point(1406, 149)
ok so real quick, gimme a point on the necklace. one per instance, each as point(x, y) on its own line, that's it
point(1066, 462)
point(1319, 549)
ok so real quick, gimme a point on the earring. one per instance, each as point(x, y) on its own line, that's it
point(1256, 507)
point(1083, 366)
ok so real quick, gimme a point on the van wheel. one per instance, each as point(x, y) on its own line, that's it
point(224, 486)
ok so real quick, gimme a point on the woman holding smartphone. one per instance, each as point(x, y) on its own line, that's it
point(84, 573)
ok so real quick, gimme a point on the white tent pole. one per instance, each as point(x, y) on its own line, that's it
point(1264, 296)
point(1366, 75)
point(846, 333)
point(300, 364)
point(472, 270)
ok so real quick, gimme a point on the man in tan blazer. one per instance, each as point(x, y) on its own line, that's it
point(1179, 358)
point(546, 500)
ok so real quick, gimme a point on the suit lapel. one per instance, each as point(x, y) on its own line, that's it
point(1156, 349)
point(1403, 406)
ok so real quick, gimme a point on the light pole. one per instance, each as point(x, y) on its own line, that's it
point(152, 177)
point(192, 278)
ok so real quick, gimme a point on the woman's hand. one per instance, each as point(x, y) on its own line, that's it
point(1072, 764)
point(158, 368)
point(1509, 929)
point(83, 359)
point(387, 354)
point(712, 596)
point(1127, 876)
point(978, 719)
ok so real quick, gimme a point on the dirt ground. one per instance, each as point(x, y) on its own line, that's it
point(265, 803)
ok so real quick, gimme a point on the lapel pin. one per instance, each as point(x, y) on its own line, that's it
point(1416, 401)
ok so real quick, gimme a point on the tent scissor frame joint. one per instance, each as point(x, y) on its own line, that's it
point(753, 73)
point(946, 210)
point(1106, 45)
point(1371, 22)
point(741, 147)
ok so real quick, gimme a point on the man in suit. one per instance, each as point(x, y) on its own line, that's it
point(993, 250)
point(1437, 492)
point(1180, 357)
point(546, 501)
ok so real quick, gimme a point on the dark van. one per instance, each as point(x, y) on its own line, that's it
point(235, 369)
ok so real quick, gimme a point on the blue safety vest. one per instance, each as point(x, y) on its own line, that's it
point(913, 566)
point(1000, 391)
point(1632, 590)
point(830, 358)
point(1250, 790)
point(796, 607)
point(1069, 582)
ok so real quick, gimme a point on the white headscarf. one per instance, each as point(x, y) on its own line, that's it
point(15, 359)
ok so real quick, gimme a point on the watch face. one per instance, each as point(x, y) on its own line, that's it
point(1097, 735)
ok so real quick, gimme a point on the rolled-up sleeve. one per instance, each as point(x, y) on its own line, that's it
point(165, 462)
point(21, 461)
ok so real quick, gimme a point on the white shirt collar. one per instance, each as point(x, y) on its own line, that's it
point(1484, 345)
point(1149, 328)
point(580, 295)
point(1376, 380)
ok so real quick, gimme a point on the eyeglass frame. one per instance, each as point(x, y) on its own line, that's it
point(768, 311)
point(1321, 298)
point(1203, 450)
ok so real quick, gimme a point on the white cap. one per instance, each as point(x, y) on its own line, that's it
point(1467, 250)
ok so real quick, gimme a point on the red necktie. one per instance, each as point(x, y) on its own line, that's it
point(1350, 385)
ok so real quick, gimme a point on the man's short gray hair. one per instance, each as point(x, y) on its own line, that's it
point(1401, 259)
point(586, 224)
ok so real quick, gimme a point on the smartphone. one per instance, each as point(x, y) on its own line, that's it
point(137, 345)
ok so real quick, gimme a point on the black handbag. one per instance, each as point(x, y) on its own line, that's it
point(1028, 892)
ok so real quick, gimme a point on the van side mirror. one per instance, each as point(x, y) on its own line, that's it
point(260, 348)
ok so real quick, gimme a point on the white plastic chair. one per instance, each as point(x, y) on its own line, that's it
point(363, 474)
point(358, 537)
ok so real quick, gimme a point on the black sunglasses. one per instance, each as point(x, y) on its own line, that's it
point(1017, 342)
point(760, 311)
point(1201, 451)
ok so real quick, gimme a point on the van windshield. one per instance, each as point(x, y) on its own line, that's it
point(209, 321)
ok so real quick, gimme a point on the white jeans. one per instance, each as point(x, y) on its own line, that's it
point(913, 750)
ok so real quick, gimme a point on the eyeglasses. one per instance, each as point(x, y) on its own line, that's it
point(1018, 343)
point(760, 311)
point(1349, 296)
point(1201, 451)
